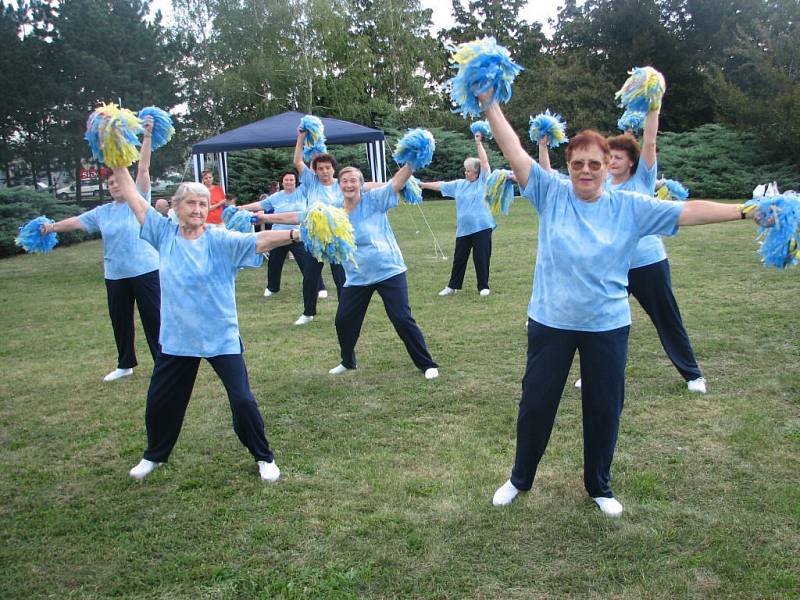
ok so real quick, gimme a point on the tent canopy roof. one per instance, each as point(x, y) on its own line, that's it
point(280, 131)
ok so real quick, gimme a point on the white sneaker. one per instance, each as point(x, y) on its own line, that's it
point(338, 370)
point(697, 385)
point(610, 506)
point(505, 494)
point(118, 374)
point(268, 471)
point(268, 293)
point(144, 468)
point(485, 292)
point(303, 320)
point(447, 291)
point(578, 384)
point(322, 294)
point(431, 373)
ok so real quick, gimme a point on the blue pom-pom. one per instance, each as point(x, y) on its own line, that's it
point(669, 189)
point(238, 220)
point(499, 191)
point(550, 125)
point(643, 90)
point(315, 137)
point(33, 240)
point(482, 65)
point(631, 120)
point(415, 148)
point(483, 128)
point(163, 130)
point(112, 133)
point(411, 192)
point(780, 240)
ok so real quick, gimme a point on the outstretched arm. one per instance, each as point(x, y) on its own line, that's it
point(703, 212)
point(436, 186)
point(284, 218)
point(253, 206)
point(544, 154)
point(648, 154)
point(143, 168)
point(485, 167)
point(267, 240)
point(298, 152)
point(68, 224)
point(507, 139)
point(139, 206)
point(400, 179)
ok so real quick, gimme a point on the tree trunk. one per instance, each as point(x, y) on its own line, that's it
point(78, 180)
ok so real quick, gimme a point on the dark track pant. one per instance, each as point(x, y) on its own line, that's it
point(353, 304)
point(550, 355)
point(145, 291)
point(651, 285)
point(277, 256)
point(311, 279)
point(168, 396)
point(480, 244)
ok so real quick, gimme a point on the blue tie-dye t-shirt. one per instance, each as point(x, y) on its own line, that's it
point(314, 191)
point(198, 286)
point(281, 202)
point(472, 213)
point(650, 249)
point(124, 253)
point(377, 253)
point(584, 251)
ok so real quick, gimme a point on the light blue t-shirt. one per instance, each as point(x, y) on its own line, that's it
point(584, 250)
point(124, 253)
point(198, 286)
point(314, 191)
point(377, 253)
point(281, 202)
point(472, 213)
point(650, 249)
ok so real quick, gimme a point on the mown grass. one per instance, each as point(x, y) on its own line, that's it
point(387, 478)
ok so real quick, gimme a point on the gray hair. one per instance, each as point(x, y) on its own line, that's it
point(473, 164)
point(352, 170)
point(190, 187)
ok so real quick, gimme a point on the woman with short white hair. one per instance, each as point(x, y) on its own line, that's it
point(199, 264)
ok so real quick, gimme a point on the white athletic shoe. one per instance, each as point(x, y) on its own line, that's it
point(268, 471)
point(144, 468)
point(697, 385)
point(485, 292)
point(610, 506)
point(431, 373)
point(118, 374)
point(338, 370)
point(322, 294)
point(303, 320)
point(447, 291)
point(268, 293)
point(578, 384)
point(505, 494)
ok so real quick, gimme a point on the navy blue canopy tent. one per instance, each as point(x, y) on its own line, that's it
point(280, 131)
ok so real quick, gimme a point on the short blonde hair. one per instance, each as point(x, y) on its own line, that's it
point(473, 164)
point(190, 187)
point(352, 170)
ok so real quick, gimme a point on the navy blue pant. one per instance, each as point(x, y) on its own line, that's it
point(651, 285)
point(311, 281)
point(550, 355)
point(145, 291)
point(353, 304)
point(168, 396)
point(277, 256)
point(480, 244)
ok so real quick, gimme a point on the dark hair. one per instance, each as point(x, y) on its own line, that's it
point(585, 139)
point(323, 158)
point(291, 172)
point(628, 144)
point(209, 171)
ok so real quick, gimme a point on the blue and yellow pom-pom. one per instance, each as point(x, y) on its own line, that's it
point(482, 65)
point(411, 193)
point(112, 133)
point(483, 128)
point(327, 234)
point(499, 191)
point(779, 228)
point(238, 220)
point(550, 125)
point(643, 90)
point(669, 189)
point(315, 137)
point(415, 148)
point(631, 120)
point(31, 238)
point(163, 130)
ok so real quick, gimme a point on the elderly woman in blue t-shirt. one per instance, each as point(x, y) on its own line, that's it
point(474, 221)
point(198, 319)
point(587, 235)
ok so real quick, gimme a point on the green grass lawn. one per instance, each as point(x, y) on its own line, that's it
point(387, 478)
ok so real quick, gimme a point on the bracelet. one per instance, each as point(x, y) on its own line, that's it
point(291, 234)
point(742, 214)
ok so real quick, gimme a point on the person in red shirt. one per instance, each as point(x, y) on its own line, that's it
point(217, 202)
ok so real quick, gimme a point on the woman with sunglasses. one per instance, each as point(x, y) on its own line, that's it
point(587, 236)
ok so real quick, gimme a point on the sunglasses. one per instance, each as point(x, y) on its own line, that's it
point(577, 165)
